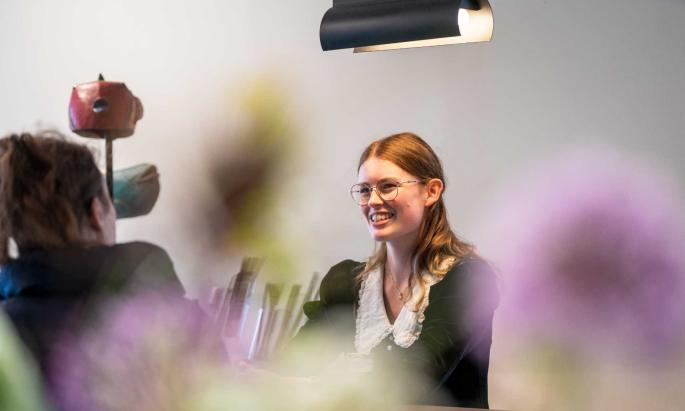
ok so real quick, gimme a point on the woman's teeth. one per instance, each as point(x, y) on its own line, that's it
point(375, 218)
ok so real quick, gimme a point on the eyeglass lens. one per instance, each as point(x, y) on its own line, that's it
point(387, 190)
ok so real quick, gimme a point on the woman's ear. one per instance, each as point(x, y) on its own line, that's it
point(101, 222)
point(434, 188)
point(96, 220)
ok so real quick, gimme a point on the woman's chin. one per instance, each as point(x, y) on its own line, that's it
point(379, 235)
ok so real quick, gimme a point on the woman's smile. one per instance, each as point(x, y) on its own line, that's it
point(380, 218)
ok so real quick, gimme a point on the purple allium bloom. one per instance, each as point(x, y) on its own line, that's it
point(148, 353)
point(591, 249)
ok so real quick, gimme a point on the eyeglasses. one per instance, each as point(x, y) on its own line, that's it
point(387, 190)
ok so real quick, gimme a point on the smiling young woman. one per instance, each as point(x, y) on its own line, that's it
point(424, 299)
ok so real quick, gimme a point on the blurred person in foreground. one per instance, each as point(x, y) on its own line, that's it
point(55, 208)
point(419, 310)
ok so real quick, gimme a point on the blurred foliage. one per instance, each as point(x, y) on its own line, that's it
point(20, 387)
point(251, 176)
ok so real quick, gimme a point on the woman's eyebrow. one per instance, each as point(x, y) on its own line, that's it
point(389, 179)
point(381, 179)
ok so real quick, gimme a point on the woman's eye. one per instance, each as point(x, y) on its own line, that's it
point(387, 187)
point(364, 190)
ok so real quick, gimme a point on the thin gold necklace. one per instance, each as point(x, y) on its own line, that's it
point(400, 293)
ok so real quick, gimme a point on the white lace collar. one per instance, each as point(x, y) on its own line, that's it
point(372, 324)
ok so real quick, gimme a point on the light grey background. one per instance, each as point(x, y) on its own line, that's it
point(557, 73)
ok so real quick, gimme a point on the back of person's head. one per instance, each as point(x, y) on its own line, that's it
point(50, 190)
point(437, 241)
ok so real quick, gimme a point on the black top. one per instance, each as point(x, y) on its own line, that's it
point(451, 355)
point(50, 293)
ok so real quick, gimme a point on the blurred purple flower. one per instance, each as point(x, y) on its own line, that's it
point(149, 353)
point(591, 250)
point(156, 353)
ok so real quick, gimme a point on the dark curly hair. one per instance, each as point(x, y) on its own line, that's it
point(47, 185)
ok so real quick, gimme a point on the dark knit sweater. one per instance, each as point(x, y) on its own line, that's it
point(451, 355)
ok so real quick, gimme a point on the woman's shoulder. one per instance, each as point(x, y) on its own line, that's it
point(471, 276)
point(473, 265)
point(145, 265)
point(339, 285)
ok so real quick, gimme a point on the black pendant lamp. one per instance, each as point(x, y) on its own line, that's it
point(373, 25)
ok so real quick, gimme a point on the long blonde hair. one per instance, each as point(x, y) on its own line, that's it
point(437, 242)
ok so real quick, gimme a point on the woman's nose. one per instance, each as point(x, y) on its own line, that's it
point(375, 198)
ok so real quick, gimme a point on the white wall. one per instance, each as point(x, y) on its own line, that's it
point(557, 73)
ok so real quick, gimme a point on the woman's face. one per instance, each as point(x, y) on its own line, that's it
point(397, 220)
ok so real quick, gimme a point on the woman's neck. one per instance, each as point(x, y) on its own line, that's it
point(399, 262)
